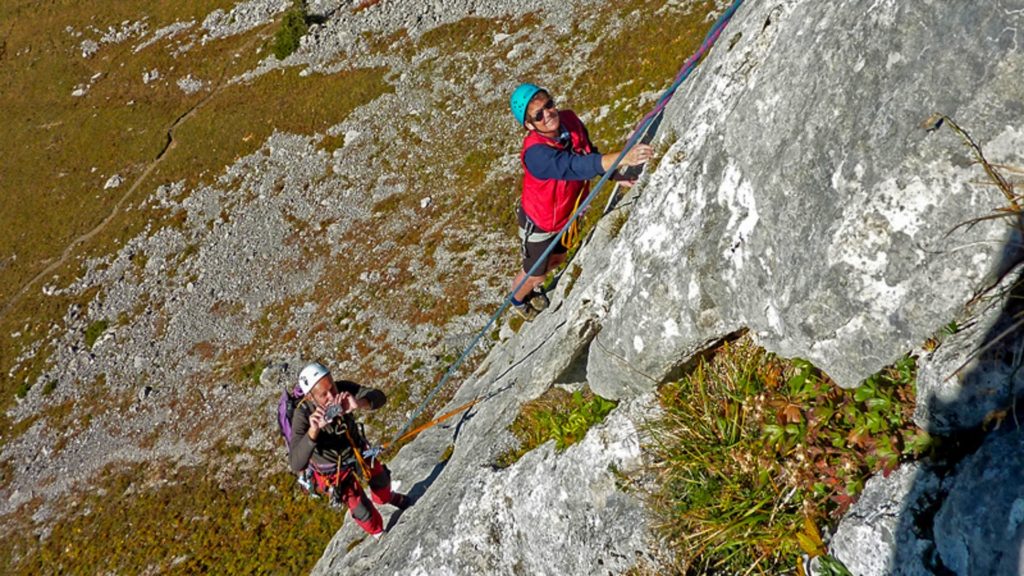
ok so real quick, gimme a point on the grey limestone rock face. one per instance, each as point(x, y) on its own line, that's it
point(549, 513)
point(878, 536)
point(799, 196)
point(975, 373)
point(978, 529)
point(913, 523)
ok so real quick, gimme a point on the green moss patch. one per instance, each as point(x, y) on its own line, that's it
point(94, 331)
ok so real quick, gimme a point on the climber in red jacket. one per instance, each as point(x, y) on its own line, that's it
point(559, 160)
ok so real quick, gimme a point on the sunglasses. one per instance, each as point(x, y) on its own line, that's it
point(539, 115)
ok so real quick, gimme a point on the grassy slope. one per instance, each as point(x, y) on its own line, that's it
point(49, 177)
point(57, 179)
point(61, 139)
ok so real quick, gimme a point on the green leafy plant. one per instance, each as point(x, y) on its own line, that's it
point(556, 415)
point(830, 566)
point(751, 449)
point(22, 390)
point(951, 328)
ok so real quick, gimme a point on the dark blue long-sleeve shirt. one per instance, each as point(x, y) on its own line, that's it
point(550, 163)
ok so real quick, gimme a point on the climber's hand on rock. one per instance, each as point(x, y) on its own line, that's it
point(638, 155)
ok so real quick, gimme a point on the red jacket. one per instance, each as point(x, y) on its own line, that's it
point(549, 202)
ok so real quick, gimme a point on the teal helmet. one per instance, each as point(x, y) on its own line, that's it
point(520, 98)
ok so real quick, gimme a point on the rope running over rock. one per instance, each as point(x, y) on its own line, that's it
point(681, 77)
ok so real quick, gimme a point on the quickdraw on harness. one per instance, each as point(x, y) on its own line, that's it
point(571, 237)
point(358, 456)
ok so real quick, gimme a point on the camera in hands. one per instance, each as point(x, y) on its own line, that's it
point(332, 412)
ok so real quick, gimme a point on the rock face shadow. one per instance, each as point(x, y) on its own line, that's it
point(962, 509)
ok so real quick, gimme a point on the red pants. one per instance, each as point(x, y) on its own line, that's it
point(349, 492)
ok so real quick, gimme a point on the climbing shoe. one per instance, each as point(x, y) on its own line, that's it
point(527, 312)
point(400, 501)
point(538, 300)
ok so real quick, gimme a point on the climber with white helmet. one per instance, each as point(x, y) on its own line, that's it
point(327, 441)
point(559, 160)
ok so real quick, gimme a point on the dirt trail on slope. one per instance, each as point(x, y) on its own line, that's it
point(85, 237)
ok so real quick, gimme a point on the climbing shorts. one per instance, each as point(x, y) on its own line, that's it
point(534, 242)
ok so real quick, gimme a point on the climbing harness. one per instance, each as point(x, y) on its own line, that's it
point(317, 481)
point(681, 77)
point(529, 233)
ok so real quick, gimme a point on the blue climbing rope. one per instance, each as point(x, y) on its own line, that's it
point(681, 77)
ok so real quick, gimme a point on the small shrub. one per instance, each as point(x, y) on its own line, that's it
point(293, 28)
point(22, 390)
point(94, 331)
point(252, 371)
point(752, 450)
point(559, 416)
point(515, 322)
point(49, 387)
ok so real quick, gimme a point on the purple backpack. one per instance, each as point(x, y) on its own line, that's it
point(285, 408)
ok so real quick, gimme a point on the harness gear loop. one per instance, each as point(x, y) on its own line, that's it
point(359, 456)
point(337, 473)
point(571, 236)
point(528, 230)
point(529, 233)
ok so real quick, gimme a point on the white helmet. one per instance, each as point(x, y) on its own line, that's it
point(310, 375)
